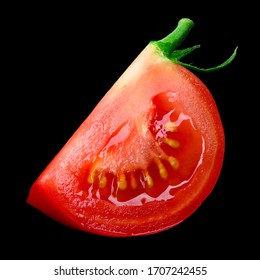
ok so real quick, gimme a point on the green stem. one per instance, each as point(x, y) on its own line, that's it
point(172, 41)
point(168, 47)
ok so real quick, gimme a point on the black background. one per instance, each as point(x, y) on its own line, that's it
point(61, 61)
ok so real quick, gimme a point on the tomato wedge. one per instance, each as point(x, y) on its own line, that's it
point(146, 157)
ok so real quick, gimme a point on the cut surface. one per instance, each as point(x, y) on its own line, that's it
point(146, 160)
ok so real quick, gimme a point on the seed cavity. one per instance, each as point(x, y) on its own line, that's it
point(138, 180)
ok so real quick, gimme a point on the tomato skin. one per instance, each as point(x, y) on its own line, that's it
point(58, 190)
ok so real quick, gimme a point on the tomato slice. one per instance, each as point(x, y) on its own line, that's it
point(145, 158)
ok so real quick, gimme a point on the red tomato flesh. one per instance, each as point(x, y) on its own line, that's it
point(145, 158)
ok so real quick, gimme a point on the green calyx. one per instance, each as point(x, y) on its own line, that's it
point(168, 46)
